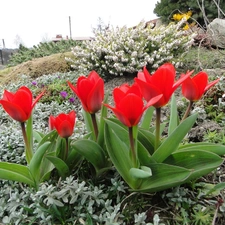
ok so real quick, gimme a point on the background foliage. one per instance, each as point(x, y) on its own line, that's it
point(202, 10)
point(42, 49)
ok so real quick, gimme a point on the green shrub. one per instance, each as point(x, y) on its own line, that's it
point(126, 50)
point(42, 49)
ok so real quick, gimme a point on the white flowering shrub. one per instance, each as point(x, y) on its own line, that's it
point(126, 50)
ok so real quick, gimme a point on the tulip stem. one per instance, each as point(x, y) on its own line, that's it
point(28, 150)
point(157, 127)
point(187, 110)
point(67, 149)
point(133, 152)
point(94, 122)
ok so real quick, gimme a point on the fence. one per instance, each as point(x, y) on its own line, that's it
point(5, 55)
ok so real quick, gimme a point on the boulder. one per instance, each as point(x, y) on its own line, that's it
point(216, 32)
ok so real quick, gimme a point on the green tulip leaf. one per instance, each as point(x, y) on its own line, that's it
point(147, 139)
point(47, 166)
point(38, 136)
point(88, 122)
point(199, 161)
point(147, 118)
point(74, 158)
point(171, 143)
point(16, 172)
point(101, 126)
point(59, 164)
point(118, 150)
point(119, 129)
point(36, 161)
point(50, 137)
point(92, 152)
point(143, 142)
point(173, 115)
point(163, 176)
point(144, 172)
point(29, 131)
point(210, 147)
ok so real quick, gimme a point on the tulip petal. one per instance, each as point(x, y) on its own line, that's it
point(120, 115)
point(95, 97)
point(14, 111)
point(65, 129)
point(23, 98)
point(93, 76)
point(182, 79)
point(211, 84)
point(163, 79)
point(63, 123)
point(200, 80)
point(73, 88)
point(148, 90)
point(132, 107)
point(51, 123)
point(37, 99)
point(8, 96)
point(190, 89)
point(153, 101)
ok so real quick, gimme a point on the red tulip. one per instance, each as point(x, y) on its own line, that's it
point(129, 105)
point(161, 82)
point(63, 123)
point(193, 88)
point(90, 91)
point(20, 104)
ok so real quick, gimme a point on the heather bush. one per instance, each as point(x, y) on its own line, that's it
point(122, 51)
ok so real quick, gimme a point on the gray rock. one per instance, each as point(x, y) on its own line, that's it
point(216, 32)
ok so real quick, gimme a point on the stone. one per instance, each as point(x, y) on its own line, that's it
point(216, 33)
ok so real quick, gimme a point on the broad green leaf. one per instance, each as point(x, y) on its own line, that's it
point(163, 176)
point(171, 143)
point(147, 139)
point(50, 137)
point(173, 115)
point(119, 151)
point(143, 172)
point(16, 172)
point(29, 131)
point(101, 126)
point(92, 152)
point(36, 161)
point(47, 166)
point(37, 135)
point(74, 158)
point(88, 122)
point(210, 147)
point(122, 132)
point(199, 161)
point(59, 164)
point(147, 118)
point(120, 129)
point(61, 147)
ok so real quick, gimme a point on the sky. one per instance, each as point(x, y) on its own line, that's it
point(33, 21)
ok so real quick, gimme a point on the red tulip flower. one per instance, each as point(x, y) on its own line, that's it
point(161, 82)
point(194, 88)
point(20, 104)
point(63, 123)
point(129, 105)
point(90, 91)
